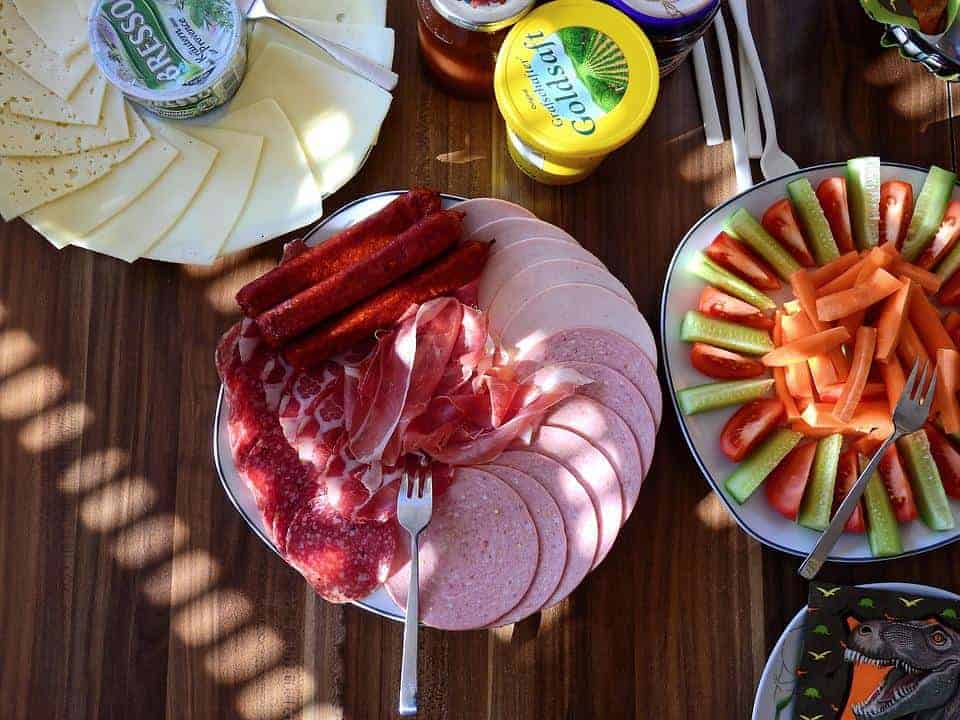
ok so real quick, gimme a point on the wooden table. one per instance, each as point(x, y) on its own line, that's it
point(129, 586)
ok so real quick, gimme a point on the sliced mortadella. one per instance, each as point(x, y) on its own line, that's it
point(603, 347)
point(576, 507)
point(573, 305)
point(478, 555)
point(531, 281)
point(504, 265)
point(594, 471)
point(482, 211)
point(553, 540)
point(505, 232)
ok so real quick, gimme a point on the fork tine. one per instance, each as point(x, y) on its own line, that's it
point(415, 490)
point(404, 485)
point(909, 385)
point(922, 384)
point(928, 398)
point(428, 485)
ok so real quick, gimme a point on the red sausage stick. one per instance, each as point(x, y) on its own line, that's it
point(347, 248)
point(442, 277)
point(420, 243)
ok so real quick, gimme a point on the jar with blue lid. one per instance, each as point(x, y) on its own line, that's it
point(673, 26)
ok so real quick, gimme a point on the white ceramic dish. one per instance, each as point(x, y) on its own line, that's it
point(680, 294)
point(774, 698)
point(233, 485)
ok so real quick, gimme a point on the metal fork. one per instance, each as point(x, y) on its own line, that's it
point(414, 510)
point(910, 414)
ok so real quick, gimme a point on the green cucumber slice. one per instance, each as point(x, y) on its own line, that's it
point(697, 327)
point(927, 488)
point(754, 470)
point(744, 226)
point(817, 503)
point(712, 274)
point(814, 222)
point(712, 396)
point(949, 265)
point(928, 211)
point(863, 198)
point(882, 530)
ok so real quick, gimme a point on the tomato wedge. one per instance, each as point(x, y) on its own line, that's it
point(947, 458)
point(896, 209)
point(946, 237)
point(832, 194)
point(748, 426)
point(898, 487)
point(718, 304)
point(780, 222)
point(847, 472)
point(722, 364)
point(730, 253)
point(785, 485)
point(950, 291)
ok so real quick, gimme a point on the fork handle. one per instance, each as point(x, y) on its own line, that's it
point(818, 556)
point(408, 666)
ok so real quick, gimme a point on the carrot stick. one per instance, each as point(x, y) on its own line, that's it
point(863, 350)
point(910, 348)
point(852, 322)
point(871, 391)
point(806, 295)
point(952, 322)
point(780, 375)
point(802, 349)
point(948, 367)
point(874, 289)
point(821, 367)
point(822, 275)
point(893, 380)
point(869, 417)
point(890, 321)
point(924, 278)
point(843, 281)
point(926, 321)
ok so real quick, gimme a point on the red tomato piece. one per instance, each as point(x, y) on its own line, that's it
point(950, 291)
point(718, 304)
point(898, 486)
point(847, 472)
point(780, 222)
point(944, 240)
point(832, 194)
point(788, 480)
point(748, 426)
point(896, 209)
point(730, 253)
point(724, 365)
point(947, 458)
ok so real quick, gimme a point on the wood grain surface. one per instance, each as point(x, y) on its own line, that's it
point(129, 586)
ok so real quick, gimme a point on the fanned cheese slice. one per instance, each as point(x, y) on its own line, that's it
point(285, 195)
point(59, 25)
point(356, 12)
point(28, 182)
point(377, 43)
point(132, 232)
point(22, 46)
point(83, 7)
point(23, 136)
point(336, 114)
point(202, 230)
point(68, 219)
point(22, 95)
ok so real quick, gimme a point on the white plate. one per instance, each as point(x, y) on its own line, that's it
point(234, 486)
point(779, 676)
point(680, 294)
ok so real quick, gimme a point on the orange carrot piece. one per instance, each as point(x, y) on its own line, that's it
point(801, 426)
point(952, 322)
point(948, 367)
point(821, 367)
point(890, 321)
point(852, 322)
point(871, 391)
point(924, 278)
point(863, 349)
point(878, 257)
point(780, 375)
point(893, 380)
point(926, 321)
point(874, 289)
point(844, 281)
point(869, 417)
point(867, 445)
point(806, 295)
point(802, 349)
point(836, 267)
point(910, 348)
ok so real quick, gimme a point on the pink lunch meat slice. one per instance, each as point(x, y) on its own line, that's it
point(506, 231)
point(480, 211)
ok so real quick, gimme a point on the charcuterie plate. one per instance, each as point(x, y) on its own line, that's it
point(702, 431)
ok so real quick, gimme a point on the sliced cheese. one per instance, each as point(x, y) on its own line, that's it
point(28, 182)
point(285, 195)
point(24, 136)
point(83, 7)
point(22, 46)
point(22, 95)
point(132, 232)
point(336, 114)
point(59, 25)
point(202, 230)
point(377, 43)
point(68, 219)
point(356, 12)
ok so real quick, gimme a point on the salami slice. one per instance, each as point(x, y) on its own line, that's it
point(603, 347)
point(594, 471)
point(504, 265)
point(550, 533)
point(573, 305)
point(576, 507)
point(505, 232)
point(481, 211)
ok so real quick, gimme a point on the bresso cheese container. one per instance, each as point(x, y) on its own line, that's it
point(575, 80)
point(178, 58)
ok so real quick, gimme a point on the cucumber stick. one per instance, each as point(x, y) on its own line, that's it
point(817, 503)
point(745, 227)
point(928, 211)
point(949, 265)
point(712, 274)
point(925, 478)
point(754, 470)
point(713, 396)
point(882, 530)
point(697, 327)
point(863, 198)
point(815, 225)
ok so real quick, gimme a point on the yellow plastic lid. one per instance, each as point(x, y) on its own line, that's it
point(576, 78)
